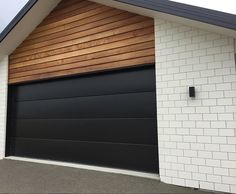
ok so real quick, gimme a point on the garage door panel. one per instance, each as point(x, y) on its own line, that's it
point(105, 119)
point(132, 105)
point(126, 156)
point(100, 130)
point(105, 84)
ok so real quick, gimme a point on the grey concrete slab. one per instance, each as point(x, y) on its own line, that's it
point(27, 177)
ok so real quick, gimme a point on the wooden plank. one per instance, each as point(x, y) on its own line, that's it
point(85, 42)
point(85, 36)
point(66, 12)
point(87, 50)
point(90, 69)
point(87, 57)
point(81, 37)
point(86, 12)
point(104, 60)
point(101, 19)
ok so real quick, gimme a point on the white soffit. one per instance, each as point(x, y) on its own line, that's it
point(27, 24)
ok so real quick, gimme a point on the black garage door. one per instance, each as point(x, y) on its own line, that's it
point(106, 119)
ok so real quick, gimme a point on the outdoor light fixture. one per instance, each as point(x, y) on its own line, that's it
point(192, 92)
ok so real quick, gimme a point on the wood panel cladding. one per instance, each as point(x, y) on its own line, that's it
point(79, 37)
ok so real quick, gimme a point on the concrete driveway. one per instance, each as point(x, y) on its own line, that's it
point(26, 177)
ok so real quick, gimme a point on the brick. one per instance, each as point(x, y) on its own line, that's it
point(214, 178)
point(184, 175)
point(226, 117)
point(212, 147)
point(229, 180)
point(221, 171)
point(222, 187)
point(204, 154)
point(206, 185)
point(191, 168)
point(218, 124)
point(205, 169)
point(191, 183)
point(199, 176)
point(228, 148)
point(203, 124)
point(220, 155)
point(226, 132)
point(214, 163)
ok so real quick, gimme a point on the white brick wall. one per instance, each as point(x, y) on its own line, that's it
point(3, 103)
point(197, 137)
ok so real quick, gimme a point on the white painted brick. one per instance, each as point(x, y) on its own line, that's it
point(226, 132)
point(224, 101)
point(204, 154)
point(232, 156)
point(228, 164)
point(220, 155)
point(212, 147)
point(200, 81)
point(224, 86)
point(215, 80)
point(198, 161)
point(199, 176)
point(225, 71)
point(178, 181)
point(204, 139)
point(197, 137)
point(202, 109)
point(191, 183)
point(191, 168)
point(232, 172)
point(221, 171)
point(229, 180)
point(226, 117)
point(218, 124)
point(206, 185)
point(185, 175)
point(195, 117)
point(190, 153)
point(211, 132)
point(214, 163)
point(209, 116)
point(222, 187)
point(231, 124)
point(228, 148)
point(232, 189)
point(184, 160)
point(203, 124)
point(195, 131)
point(177, 166)
point(209, 102)
point(214, 178)
point(206, 169)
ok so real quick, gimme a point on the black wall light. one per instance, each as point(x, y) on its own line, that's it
point(192, 92)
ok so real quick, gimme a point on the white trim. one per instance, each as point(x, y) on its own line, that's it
point(3, 104)
point(87, 167)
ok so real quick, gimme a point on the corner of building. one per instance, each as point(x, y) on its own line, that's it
point(197, 136)
point(3, 103)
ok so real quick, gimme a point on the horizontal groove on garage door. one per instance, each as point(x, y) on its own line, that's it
point(103, 130)
point(115, 82)
point(132, 105)
point(131, 156)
